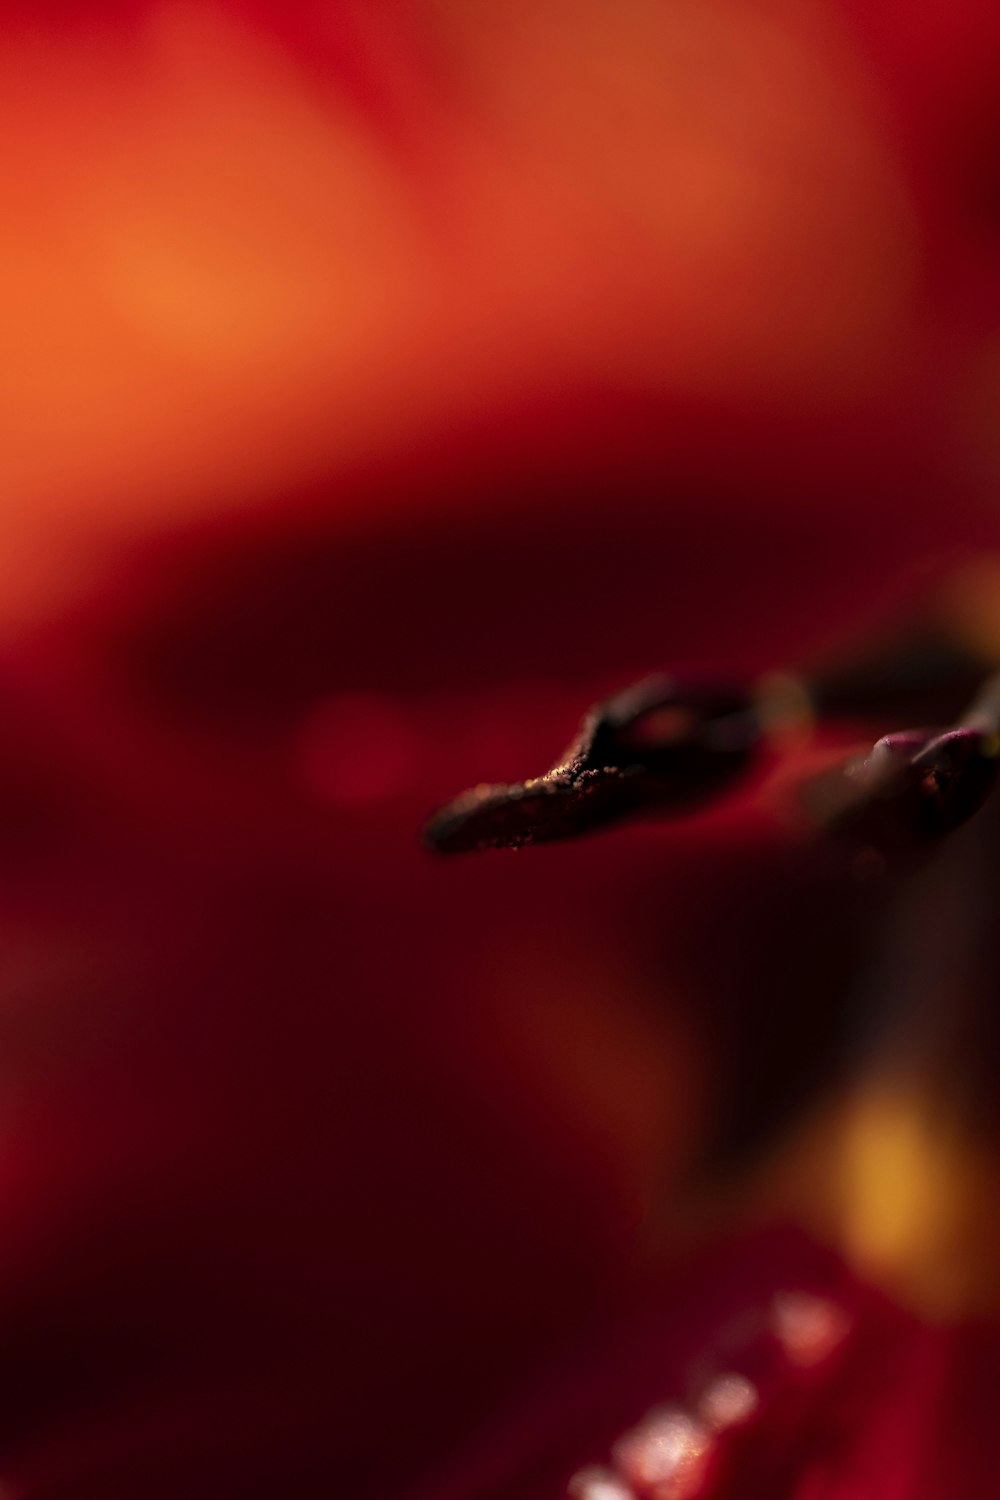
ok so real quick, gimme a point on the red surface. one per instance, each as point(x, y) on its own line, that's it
point(325, 1167)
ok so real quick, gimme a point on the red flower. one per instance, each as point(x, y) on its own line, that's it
point(384, 387)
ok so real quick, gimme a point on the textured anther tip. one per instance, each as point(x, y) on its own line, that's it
point(956, 773)
point(915, 787)
point(664, 745)
point(503, 817)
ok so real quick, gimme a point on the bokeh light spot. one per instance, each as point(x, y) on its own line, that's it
point(356, 748)
point(809, 1328)
point(729, 1400)
point(667, 1453)
point(598, 1484)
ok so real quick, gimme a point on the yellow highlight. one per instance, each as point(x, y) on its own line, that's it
point(910, 1191)
point(890, 1177)
point(901, 1182)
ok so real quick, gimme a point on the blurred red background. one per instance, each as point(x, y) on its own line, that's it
point(383, 382)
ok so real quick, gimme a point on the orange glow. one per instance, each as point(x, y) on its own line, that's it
point(214, 275)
